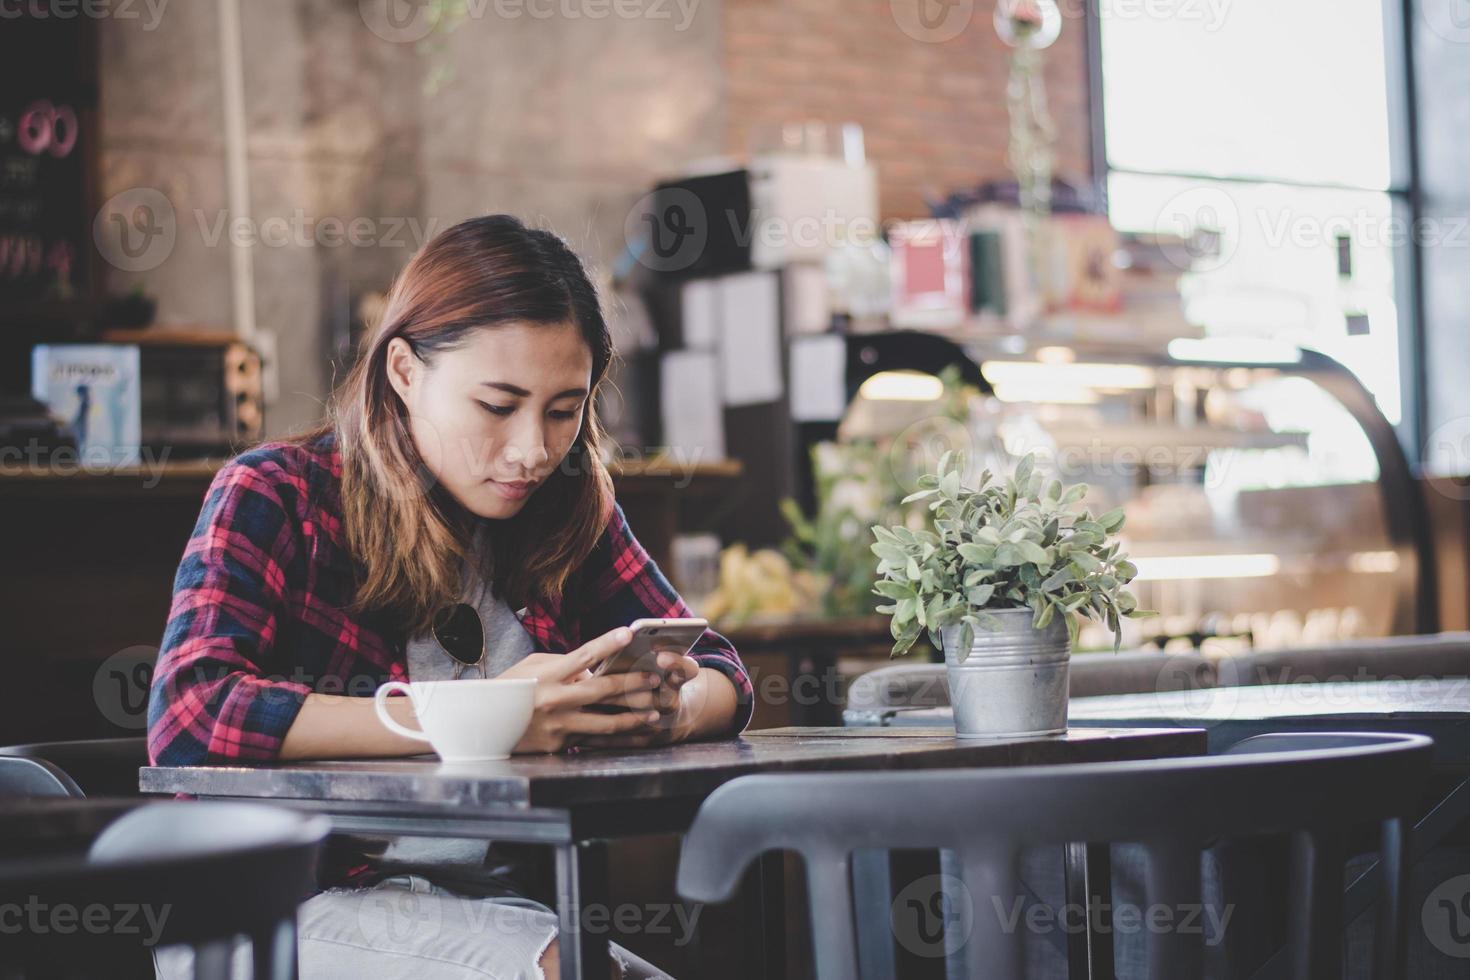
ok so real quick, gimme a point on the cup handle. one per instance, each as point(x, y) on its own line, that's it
point(380, 696)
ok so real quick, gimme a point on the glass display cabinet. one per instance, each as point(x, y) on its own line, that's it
point(1269, 503)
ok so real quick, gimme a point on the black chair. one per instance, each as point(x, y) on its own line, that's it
point(25, 778)
point(221, 870)
point(1314, 787)
point(92, 767)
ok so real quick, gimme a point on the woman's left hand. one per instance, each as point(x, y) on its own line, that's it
point(680, 701)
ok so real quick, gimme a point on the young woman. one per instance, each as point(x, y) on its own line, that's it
point(458, 467)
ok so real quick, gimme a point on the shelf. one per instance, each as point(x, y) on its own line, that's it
point(1172, 438)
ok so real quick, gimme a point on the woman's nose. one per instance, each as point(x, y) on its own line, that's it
point(528, 448)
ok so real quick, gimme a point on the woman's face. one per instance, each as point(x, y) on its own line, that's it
point(494, 418)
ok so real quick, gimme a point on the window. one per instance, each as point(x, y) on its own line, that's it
point(1265, 128)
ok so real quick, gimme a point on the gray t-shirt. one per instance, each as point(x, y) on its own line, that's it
point(506, 643)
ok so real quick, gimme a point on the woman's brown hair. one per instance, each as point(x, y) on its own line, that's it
point(406, 532)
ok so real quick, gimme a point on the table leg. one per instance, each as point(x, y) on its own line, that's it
point(581, 885)
point(1089, 886)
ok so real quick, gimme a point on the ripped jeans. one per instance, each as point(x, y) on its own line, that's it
point(407, 928)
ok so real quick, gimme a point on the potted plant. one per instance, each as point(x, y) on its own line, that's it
point(998, 583)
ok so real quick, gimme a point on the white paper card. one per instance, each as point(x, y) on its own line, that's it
point(750, 338)
point(699, 313)
point(818, 379)
point(689, 395)
point(807, 309)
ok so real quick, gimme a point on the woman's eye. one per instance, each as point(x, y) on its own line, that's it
point(501, 410)
point(563, 415)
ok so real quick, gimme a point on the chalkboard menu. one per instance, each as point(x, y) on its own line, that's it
point(48, 154)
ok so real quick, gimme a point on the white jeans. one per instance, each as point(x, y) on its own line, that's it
point(406, 928)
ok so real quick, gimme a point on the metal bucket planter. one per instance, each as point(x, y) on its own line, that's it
point(1014, 681)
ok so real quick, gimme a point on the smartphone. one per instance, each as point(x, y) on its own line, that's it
point(650, 638)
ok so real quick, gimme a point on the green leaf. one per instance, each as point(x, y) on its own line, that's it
point(980, 595)
point(1043, 616)
point(894, 590)
point(890, 552)
point(1034, 553)
point(949, 484)
point(1023, 471)
point(1088, 564)
point(904, 640)
point(884, 534)
point(1074, 493)
point(1112, 520)
point(975, 553)
point(1058, 579)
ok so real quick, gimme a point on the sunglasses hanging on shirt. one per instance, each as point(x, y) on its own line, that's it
point(460, 633)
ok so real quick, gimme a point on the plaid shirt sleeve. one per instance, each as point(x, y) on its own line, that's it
point(211, 700)
point(622, 583)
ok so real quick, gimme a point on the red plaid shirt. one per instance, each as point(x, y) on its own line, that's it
point(259, 618)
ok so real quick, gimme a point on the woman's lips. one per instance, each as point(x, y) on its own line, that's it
point(513, 491)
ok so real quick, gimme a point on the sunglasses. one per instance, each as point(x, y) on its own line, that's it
point(460, 632)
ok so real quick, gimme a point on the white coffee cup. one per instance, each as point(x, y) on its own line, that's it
point(474, 720)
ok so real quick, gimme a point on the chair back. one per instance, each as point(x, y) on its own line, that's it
point(94, 766)
point(202, 874)
point(22, 778)
point(1314, 787)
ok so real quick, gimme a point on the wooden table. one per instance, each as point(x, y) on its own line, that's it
point(1437, 707)
point(575, 803)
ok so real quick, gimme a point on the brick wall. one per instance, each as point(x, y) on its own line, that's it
point(933, 112)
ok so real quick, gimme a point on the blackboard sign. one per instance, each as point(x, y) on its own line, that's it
point(48, 153)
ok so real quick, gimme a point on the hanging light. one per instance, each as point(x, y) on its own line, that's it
point(1032, 24)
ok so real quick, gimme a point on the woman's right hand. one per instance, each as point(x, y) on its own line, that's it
point(565, 685)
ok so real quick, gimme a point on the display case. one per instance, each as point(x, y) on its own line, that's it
point(1268, 501)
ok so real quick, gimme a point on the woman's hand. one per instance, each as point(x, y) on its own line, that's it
point(692, 702)
point(565, 686)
